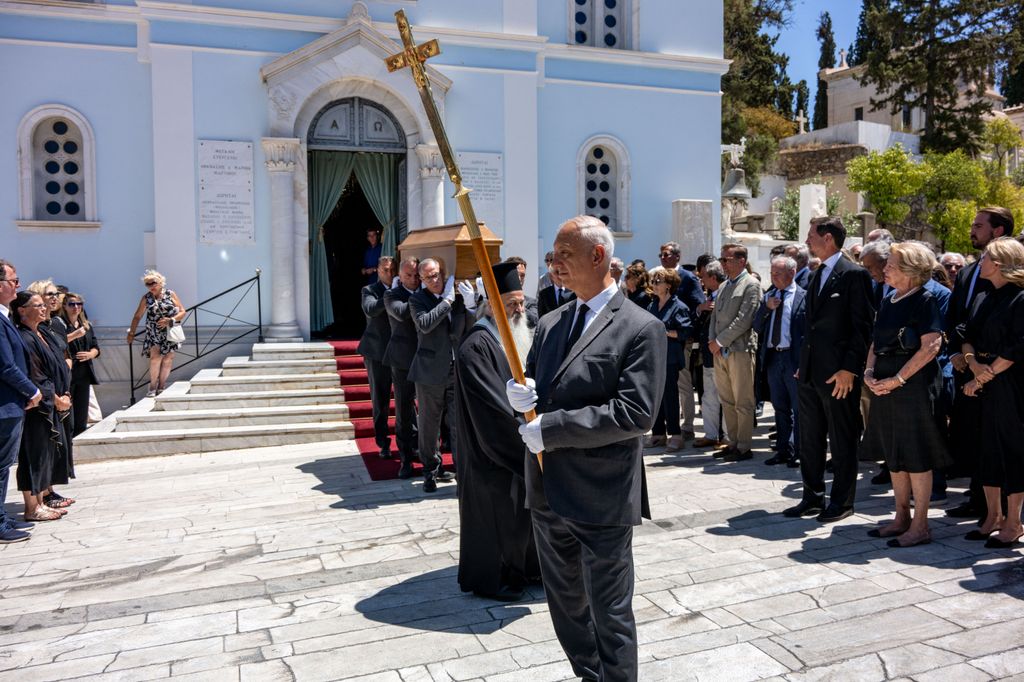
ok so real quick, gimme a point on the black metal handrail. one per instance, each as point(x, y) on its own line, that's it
point(191, 313)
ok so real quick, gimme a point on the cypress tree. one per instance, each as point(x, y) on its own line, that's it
point(826, 60)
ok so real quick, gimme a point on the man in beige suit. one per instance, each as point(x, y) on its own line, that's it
point(732, 340)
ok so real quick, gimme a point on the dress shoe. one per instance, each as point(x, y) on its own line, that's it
point(724, 452)
point(777, 459)
point(444, 476)
point(706, 443)
point(429, 485)
point(965, 511)
point(504, 593)
point(738, 455)
point(405, 471)
point(675, 443)
point(996, 543)
point(977, 535)
point(834, 513)
point(806, 508)
point(883, 477)
point(385, 453)
point(793, 463)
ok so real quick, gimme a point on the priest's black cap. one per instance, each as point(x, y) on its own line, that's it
point(507, 275)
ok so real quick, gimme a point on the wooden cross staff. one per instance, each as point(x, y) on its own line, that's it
point(414, 56)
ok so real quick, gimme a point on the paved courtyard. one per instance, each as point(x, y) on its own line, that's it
point(290, 564)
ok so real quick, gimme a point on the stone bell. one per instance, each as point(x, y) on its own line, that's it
point(735, 185)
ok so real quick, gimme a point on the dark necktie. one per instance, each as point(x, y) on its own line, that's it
point(559, 295)
point(777, 322)
point(577, 328)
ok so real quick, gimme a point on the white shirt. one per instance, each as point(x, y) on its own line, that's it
point(5, 311)
point(785, 338)
point(594, 306)
point(826, 268)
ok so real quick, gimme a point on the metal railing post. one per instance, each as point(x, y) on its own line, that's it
point(131, 371)
point(259, 307)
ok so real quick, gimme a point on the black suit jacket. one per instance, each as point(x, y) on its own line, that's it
point(439, 328)
point(690, 291)
point(402, 346)
point(546, 300)
point(597, 403)
point(839, 322)
point(374, 341)
point(959, 310)
point(797, 326)
point(803, 277)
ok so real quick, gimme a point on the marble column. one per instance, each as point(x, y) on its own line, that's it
point(281, 154)
point(432, 174)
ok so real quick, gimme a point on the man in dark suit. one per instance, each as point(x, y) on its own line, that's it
point(691, 293)
point(17, 394)
point(398, 356)
point(839, 321)
point(990, 223)
point(801, 254)
point(554, 296)
point(440, 319)
point(780, 325)
point(599, 371)
point(372, 346)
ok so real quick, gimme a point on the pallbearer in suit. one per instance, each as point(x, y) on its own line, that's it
point(372, 346)
point(399, 354)
point(780, 326)
point(839, 317)
point(599, 368)
point(440, 318)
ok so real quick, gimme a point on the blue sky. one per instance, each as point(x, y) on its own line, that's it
point(799, 42)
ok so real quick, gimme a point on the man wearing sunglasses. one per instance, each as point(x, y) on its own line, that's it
point(17, 394)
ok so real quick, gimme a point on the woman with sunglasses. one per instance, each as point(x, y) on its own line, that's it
point(676, 317)
point(163, 310)
point(83, 350)
point(42, 439)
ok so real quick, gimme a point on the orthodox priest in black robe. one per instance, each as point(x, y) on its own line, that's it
point(497, 555)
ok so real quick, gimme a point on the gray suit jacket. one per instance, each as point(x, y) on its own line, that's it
point(732, 320)
point(438, 336)
point(402, 345)
point(597, 404)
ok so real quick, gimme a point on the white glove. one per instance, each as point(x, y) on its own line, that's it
point(395, 282)
point(480, 288)
point(468, 295)
point(532, 436)
point(521, 398)
point(449, 289)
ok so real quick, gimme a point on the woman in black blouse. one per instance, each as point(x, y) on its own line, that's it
point(83, 350)
point(904, 376)
point(638, 288)
point(676, 318)
point(994, 348)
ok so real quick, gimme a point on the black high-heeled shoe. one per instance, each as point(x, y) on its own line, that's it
point(977, 535)
point(996, 543)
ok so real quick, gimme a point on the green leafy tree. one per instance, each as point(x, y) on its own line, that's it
point(889, 181)
point(803, 95)
point(866, 39)
point(937, 55)
point(1001, 139)
point(826, 60)
point(951, 182)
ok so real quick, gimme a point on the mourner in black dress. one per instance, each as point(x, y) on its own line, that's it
point(906, 381)
point(83, 350)
point(993, 346)
point(42, 439)
point(675, 315)
point(638, 285)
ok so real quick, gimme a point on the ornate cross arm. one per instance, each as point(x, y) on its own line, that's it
point(414, 56)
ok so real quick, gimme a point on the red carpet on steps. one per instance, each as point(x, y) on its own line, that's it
point(352, 375)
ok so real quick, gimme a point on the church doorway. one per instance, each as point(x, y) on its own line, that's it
point(357, 181)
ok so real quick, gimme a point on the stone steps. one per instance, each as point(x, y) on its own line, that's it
point(285, 394)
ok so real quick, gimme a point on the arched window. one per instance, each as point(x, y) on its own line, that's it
point(600, 23)
point(602, 168)
point(57, 159)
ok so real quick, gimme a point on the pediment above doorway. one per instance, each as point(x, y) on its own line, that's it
point(354, 54)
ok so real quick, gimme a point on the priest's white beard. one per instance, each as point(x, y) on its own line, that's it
point(522, 335)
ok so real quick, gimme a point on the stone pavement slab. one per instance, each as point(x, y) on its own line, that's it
point(290, 564)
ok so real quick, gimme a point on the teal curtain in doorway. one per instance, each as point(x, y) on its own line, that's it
point(376, 175)
point(328, 172)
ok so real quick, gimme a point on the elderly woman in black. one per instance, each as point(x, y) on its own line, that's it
point(904, 376)
point(83, 350)
point(678, 327)
point(41, 440)
point(994, 349)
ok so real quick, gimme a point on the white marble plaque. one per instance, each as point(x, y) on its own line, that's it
point(225, 193)
point(484, 173)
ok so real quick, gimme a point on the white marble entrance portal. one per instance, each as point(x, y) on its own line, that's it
point(348, 62)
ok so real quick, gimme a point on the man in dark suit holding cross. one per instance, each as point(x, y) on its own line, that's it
point(598, 370)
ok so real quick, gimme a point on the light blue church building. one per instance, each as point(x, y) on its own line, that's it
point(209, 138)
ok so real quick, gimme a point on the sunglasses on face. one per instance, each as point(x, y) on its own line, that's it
point(74, 304)
point(52, 294)
point(36, 305)
point(150, 284)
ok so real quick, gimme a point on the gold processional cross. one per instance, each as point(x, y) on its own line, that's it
point(414, 56)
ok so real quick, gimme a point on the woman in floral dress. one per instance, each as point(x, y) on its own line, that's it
point(163, 310)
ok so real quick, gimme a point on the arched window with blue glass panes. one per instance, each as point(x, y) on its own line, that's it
point(600, 23)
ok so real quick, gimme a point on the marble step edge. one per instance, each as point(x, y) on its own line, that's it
point(298, 351)
point(201, 379)
point(241, 364)
point(90, 438)
point(232, 412)
point(335, 393)
point(217, 442)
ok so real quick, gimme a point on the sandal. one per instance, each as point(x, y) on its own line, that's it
point(42, 514)
point(56, 501)
point(61, 512)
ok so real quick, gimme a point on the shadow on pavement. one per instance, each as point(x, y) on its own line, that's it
point(338, 477)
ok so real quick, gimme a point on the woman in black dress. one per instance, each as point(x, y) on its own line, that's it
point(676, 318)
point(904, 376)
point(41, 439)
point(638, 288)
point(83, 350)
point(994, 349)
